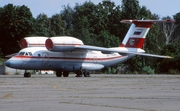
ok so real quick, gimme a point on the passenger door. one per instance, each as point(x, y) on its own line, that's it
point(45, 59)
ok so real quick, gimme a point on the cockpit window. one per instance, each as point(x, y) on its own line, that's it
point(21, 53)
point(30, 53)
point(26, 53)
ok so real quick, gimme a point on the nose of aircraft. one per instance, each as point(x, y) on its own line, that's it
point(13, 64)
point(7, 63)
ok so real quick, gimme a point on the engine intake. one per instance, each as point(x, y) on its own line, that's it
point(32, 42)
point(62, 44)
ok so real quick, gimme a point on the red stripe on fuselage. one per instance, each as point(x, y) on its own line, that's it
point(66, 58)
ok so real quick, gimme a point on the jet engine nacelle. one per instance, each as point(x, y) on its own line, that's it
point(62, 44)
point(32, 42)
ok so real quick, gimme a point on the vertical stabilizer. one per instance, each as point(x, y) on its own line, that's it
point(136, 34)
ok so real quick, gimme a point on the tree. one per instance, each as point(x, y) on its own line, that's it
point(130, 9)
point(96, 20)
point(67, 15)
point(85, 19)
point(84, 33)
point(109, 40)
point(171, 48)
point(42, 25)
point(57, 25)
point(168, 29)
point(144, 13)
point(108, 18)
point(16, 22)
point(176, 33)
point(170, 65)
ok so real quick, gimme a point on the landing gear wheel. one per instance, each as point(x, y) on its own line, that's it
point(86, 74)
point(58, 73)
point(65, 74)
point(27, 74)
point(78, 74)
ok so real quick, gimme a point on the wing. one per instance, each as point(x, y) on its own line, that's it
point(118, 50)
point(11, 55)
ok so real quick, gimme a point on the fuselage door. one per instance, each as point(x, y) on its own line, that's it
point(45, 59)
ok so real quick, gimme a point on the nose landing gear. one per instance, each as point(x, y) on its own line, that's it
point(27, 74)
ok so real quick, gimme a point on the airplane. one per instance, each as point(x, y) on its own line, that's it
point(65, 54)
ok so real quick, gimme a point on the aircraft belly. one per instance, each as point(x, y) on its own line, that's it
point(70, 66)
point(92, 66)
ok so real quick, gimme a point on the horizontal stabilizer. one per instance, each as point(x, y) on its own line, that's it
point(152, 21)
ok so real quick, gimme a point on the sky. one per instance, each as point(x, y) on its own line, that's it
point(50, 7)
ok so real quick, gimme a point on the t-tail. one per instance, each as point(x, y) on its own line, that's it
point(136, 34)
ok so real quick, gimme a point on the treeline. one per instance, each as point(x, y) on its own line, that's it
point(96, 25)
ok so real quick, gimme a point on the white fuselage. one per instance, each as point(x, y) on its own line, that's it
point(41, 59)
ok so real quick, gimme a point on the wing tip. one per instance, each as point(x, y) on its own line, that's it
point(169, 57)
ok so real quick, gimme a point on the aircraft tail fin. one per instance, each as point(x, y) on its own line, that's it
point(136, 34)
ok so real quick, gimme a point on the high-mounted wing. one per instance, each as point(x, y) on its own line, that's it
point(120, 50)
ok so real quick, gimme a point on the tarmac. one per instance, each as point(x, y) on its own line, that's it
point(100, 92)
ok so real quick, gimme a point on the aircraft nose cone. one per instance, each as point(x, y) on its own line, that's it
point(7, 63)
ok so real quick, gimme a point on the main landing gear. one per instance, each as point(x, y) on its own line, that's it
point(60, 73)
point(80, 73)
